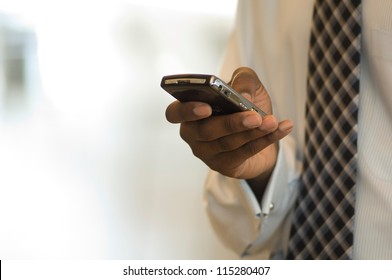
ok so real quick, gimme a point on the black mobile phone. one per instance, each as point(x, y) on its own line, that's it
point(209, 89)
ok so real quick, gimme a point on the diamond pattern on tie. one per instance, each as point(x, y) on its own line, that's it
point(323, 218)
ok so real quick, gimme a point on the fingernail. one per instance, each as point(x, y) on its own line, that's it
point(247, 95)
point(252, 121)
point(269, 122)
point(285, 126)
point(202, 110)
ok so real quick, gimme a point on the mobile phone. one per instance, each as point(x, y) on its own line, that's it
point(210, 89)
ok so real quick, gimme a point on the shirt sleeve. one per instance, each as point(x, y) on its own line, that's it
point(249, 227)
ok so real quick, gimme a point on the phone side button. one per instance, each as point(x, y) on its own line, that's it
point(242, 105)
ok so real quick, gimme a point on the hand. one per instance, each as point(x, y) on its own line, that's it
point(240, 145)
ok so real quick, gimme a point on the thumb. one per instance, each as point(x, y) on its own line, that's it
point(246, 82)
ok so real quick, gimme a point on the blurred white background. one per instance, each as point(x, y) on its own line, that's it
point(89, 167)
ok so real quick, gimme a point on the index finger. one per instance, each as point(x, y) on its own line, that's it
point(179, 112)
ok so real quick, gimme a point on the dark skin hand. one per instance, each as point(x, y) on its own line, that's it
point(241, 145)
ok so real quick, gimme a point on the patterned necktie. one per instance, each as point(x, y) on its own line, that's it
point(323, 218)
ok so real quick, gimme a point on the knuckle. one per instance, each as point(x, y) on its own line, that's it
point(216, 165)
point(204, 134)
point(224, 144)
point(229, 125)
point(185, 132)
point(206, 130)
point(225, 164)
point(196, 152)
point(251, 148)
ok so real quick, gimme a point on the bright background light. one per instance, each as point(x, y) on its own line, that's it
point(89, 166)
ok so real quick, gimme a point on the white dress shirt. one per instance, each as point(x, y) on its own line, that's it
point(272, 37)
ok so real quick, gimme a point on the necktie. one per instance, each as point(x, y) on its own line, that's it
point(323, 217)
